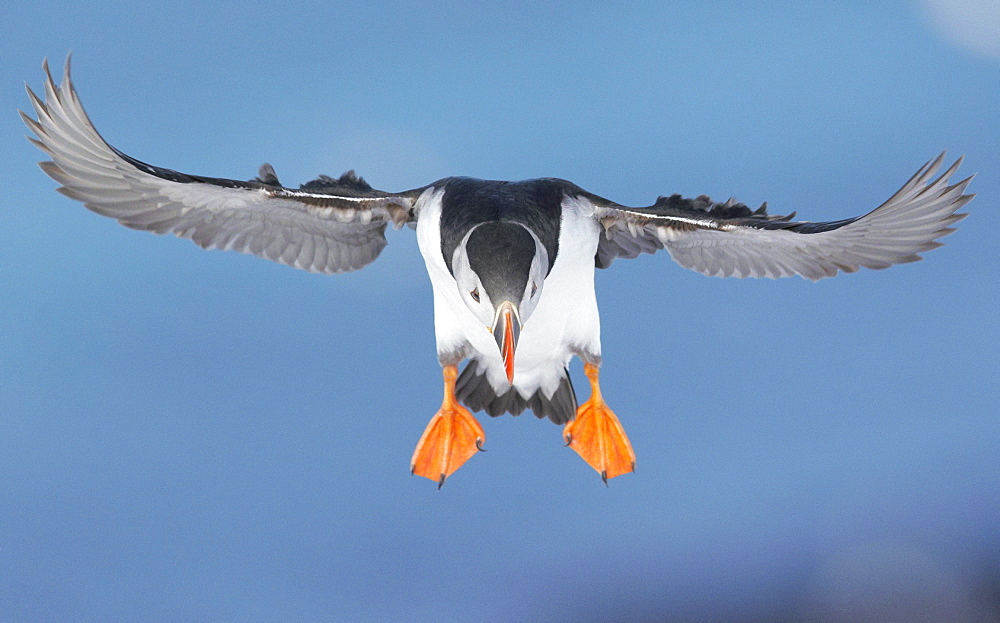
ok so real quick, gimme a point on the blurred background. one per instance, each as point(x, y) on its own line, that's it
point(190, 435)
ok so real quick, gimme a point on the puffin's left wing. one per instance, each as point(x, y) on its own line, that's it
point(729, 239)
point(326, 226)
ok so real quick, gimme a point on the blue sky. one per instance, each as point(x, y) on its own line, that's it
point(190, 435)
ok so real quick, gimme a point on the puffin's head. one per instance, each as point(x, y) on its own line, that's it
point(499, 268)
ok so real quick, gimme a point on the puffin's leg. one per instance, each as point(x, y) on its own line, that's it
point(450, 439)
point(598, 436)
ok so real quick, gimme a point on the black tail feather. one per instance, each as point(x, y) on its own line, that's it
point(476, 393)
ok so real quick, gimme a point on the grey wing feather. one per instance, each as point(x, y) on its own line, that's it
point(729, 240)
point(323, 228)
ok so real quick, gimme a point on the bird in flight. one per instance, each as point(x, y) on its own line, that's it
point(511, 264)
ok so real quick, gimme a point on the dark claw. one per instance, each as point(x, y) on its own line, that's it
point(441, 482)
point(479, 445)
point(568, 439)
point(604, 477)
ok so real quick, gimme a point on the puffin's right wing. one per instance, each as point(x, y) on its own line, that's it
point(327, 226)
point(729, 239)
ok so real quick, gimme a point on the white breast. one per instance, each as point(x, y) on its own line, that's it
point(564, 323)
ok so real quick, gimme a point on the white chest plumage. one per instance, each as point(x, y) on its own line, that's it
point(564, 323)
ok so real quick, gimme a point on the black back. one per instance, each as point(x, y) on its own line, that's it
point(536, 204)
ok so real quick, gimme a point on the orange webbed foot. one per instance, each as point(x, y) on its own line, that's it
point(451, 438)
point(597, 435)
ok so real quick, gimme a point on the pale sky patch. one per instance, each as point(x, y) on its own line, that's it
point(972, 25)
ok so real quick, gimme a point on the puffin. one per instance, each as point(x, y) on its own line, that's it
point(511, 264)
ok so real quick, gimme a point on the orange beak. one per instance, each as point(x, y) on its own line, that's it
point(506, 331)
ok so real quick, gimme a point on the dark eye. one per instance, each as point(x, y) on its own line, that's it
point(534, 288)
point(475, 294)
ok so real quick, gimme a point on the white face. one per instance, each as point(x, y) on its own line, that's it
point(477, 299)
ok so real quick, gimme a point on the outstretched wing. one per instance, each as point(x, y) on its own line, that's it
point(729, 239)
point(326, 226)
